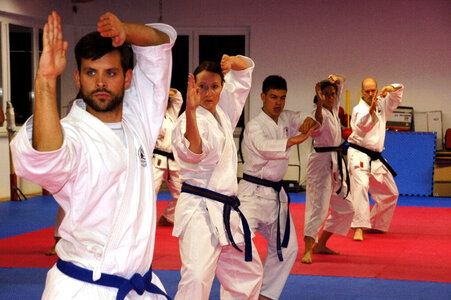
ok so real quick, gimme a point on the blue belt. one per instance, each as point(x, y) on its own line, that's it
point(277, 186)
point(340, 158)
point(229, 203)
point(136, 282)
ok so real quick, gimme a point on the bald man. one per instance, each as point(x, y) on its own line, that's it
point(368, 170)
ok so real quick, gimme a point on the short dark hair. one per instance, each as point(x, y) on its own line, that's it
point(94, 46)
point(209, 66)
point(274, 82)
point(325, 83)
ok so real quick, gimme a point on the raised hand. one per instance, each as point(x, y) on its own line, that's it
point(319, 94)
point(301, 137)
point(226, 64)
point(389, 89)
point(373, 104)
point(53, 58)
point(192, 94)
point(334, 79)
point(111, 27)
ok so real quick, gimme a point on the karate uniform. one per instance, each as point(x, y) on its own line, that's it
point(105, 186)
point(267, 158)
point(204, 247)
point(163, 167)
point(373, 177)
point(324, 180)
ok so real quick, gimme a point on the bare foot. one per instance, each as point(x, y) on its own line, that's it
point(307, 258)
point(324, 250)
point(164, 222)
point(358, 234)
point(51, 251)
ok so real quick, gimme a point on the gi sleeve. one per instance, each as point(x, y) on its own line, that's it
point(148, 94)
point(269, 149)
point(361, 121)
point(295, 120)
point(392, 101)
point(175, 106)
point(180, 144)
point(236, 89)
point(52, 169)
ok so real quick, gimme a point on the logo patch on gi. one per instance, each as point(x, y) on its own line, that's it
point(142, 157)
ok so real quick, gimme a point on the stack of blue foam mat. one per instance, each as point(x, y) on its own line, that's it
point(412, 155)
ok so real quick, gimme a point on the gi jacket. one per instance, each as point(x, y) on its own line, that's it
point(106, 188)
point(216, 167)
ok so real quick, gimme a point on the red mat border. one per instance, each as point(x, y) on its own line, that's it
point(417, 247)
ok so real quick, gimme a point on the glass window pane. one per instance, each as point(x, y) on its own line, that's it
point(21, 70)
point(212, 47)
point(180, 66)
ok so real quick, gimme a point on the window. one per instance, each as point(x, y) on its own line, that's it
point(21, 71)
point(196, 45)
point(21, 43)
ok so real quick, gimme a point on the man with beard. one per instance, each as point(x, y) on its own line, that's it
point(97, 161)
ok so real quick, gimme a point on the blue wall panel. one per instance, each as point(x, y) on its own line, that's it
point(412, 155)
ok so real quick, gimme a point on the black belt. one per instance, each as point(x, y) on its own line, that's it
point(136, 282)
point(277, 186)
point(340, 158)
point(229, 203)
point(373, 156)
point(169, 155)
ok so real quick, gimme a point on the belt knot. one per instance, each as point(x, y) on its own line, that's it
point(236, 203)
point(138, 284)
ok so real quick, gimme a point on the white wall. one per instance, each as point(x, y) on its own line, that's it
point(405, 41)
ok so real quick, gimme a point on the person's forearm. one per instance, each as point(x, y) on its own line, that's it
point(239, 63)
point(319, 114)
point(47, 132)
point(142, 35)
point(192, 132)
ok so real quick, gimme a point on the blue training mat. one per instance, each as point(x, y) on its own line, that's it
point(412, 155)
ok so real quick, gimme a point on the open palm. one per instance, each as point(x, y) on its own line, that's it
point(53, 58)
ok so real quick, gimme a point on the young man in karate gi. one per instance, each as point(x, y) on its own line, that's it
point(368, 170)
point(268, 139)
point(97, 161)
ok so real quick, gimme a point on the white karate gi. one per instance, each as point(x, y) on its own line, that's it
point(105, 188)
point(204, 247)
point(324, 180)
point(377, 179)
point(164, 167)
point(267, 158)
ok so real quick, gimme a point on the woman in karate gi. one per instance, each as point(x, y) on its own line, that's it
point(203, 145)
point(326, 187)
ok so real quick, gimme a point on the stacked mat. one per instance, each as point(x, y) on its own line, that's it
point(412, 155)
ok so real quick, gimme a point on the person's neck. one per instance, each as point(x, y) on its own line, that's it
point(367, 102)
point(274, 118)
point(108, 116)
